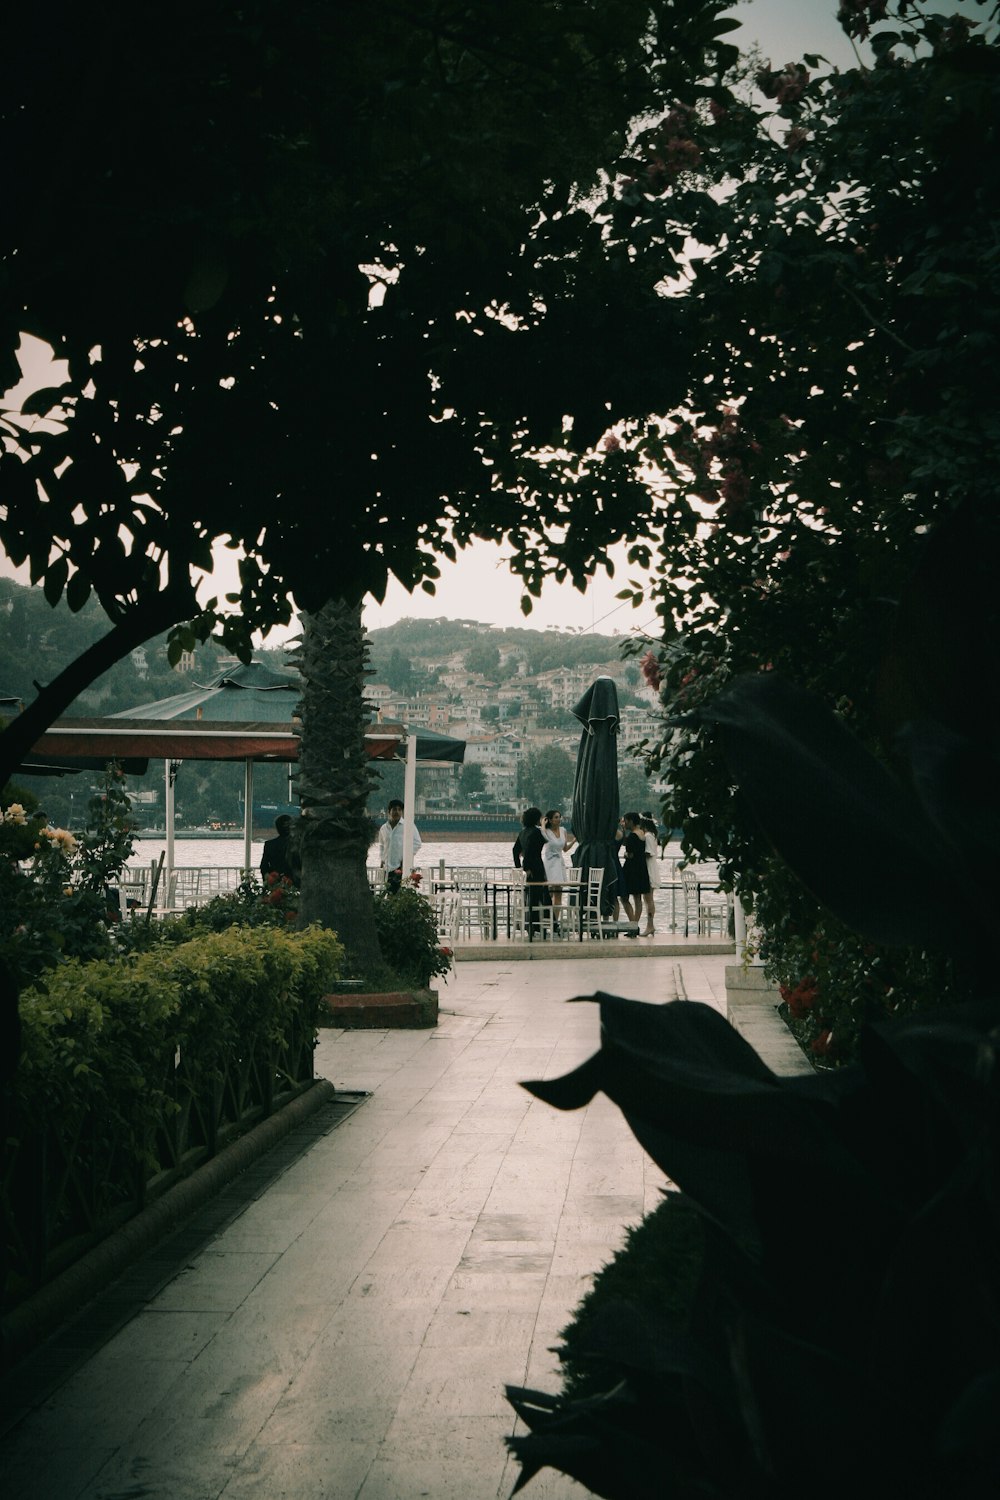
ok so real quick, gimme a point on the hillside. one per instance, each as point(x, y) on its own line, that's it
point(409, 657)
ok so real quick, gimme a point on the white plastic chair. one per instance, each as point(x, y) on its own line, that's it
point(518, 916)
point(471, 890)
point(591, 893)
point(132, 896)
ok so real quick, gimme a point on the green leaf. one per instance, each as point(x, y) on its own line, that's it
point(40, 403)
point(77, 591)
point(55, 581)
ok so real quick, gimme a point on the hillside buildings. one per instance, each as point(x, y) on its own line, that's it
point(504, 721)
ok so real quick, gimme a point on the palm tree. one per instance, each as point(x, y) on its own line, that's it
point(334, 778)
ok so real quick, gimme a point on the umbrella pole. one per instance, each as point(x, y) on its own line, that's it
point(247, 816)
point(409, 797)
point(170, 776)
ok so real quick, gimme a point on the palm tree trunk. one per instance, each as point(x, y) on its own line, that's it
point(333, 780)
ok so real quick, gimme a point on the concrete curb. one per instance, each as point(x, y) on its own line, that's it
point(28, 1323)
point(629, 948)
point(398, 1009)
point(752, 1007)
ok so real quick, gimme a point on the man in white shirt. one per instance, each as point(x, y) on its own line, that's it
point(390, 844)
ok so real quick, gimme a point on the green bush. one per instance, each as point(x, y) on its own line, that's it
point(650, 1286)
point(95, 1039)
point(408, 936)
point(54, 896)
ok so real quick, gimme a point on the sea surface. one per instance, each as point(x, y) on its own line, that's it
point(228, 854)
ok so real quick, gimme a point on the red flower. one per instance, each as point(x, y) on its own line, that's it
point(786, 86)
point(822, 1045)
point(800, 999)
point(650, 668)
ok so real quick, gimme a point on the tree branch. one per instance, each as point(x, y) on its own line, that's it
point(149, 618)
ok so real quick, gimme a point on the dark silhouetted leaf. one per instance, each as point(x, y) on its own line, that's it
point(856, 837)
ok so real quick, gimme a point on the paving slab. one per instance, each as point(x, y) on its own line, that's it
point(347, 1332)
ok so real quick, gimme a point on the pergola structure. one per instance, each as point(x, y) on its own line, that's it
point(247, 714)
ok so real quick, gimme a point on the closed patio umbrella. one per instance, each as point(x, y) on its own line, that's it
point(595, 790)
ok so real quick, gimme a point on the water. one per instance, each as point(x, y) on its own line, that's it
point(228, 854)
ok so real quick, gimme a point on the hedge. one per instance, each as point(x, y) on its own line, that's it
point(130, 1071)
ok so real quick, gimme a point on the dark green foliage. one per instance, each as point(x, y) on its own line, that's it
point(644, 1293)
point(131, 1070)
point(254, 903)
point(840, 405)
point(545, 777)
point(227, 360)
point(878, 1185)
point(408, 936)
point(57, 897)
point(879, 1180)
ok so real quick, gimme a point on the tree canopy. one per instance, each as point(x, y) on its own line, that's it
point(320, 285)
point(841, 407)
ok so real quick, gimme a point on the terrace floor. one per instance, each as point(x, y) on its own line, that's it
point(339, 1323)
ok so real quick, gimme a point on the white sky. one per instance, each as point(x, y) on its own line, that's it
point(480, 586)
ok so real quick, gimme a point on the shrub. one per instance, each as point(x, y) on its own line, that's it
point(845, 1319)
point(272, 902)
point(54, 900)
point(94, 1039)
point(408, 936)
point(135, 1070)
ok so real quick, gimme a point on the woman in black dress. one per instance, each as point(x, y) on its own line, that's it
point(635, 874)
point(528, 857)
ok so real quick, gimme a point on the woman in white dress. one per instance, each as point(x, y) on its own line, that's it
point(649, 831)
point(557, 844)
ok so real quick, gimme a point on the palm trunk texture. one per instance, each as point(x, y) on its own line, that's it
point(334, 778)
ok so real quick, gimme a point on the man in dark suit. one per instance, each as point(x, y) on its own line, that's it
point(278, 855)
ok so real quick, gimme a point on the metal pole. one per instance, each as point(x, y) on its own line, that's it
point(170, 769)
point(247, 815)
point(409, 798)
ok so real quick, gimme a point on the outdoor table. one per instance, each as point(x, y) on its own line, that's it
point(492, 889)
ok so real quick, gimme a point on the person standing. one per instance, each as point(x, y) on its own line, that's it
point(557, 844)
point(528, 857)
point(277, 856)
point(390, 844)
point(649, 830)
point(635, 876)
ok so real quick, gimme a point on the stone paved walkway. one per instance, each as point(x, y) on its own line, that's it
point(343, 1328)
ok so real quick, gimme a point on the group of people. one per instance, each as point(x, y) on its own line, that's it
point(541, 847)
point(540, 851)
point(280, 856)
point(639, 837)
